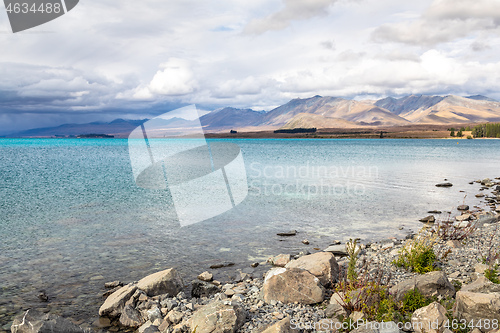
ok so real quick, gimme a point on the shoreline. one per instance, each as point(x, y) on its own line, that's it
point(382, 250)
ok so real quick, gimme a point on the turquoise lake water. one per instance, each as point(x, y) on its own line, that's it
point(72, 217)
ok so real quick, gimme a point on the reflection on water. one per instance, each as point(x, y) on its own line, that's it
point(73, 218)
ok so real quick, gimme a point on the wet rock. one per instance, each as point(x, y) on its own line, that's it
point(218, 316)
point(434, 212)
point(222, 264)
point(447, 184)
point(323, 265)
point(42, 296)
point(33, 321)
point(255, 264)
point(167, 282)
point(114, 304)
point(429, 319)
point(463, 217)
point(430, 284)
point(203, 289)
point(305, 242)
point(292, 285)
point(113, 284)
point(428, 219)
point(287, 234)
point(463, 207)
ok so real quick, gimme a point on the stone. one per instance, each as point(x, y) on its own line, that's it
point(429, 319)
point(166, 282)
point(130, 317)
point(113, 284)
point(463, 207)
point(280, 260)
point(487, 218)
point(144, 327)
point(447, 184)
point(428, 219)
point(218, 317)
point(289, 285)
point(287, 234)
point(174, 317)
point(164, 325)
point(480, 195)
point(376, 327)
point(474, 306)
point(152, 329)
point(114, 304)
point(429, 284)
point(357, 315)
point(305, 242)
point(481, 285)
point(339, 250)
point(463, 217)
point(333, 310)
point(323, 265)
point(282, 326)
point(434, 212)
point(255, 264)
point(453, 243)
point(222, 264)
point(203, 289)
point(206, 276)
point(153, 314)
point(33, 321)
point(480, 268)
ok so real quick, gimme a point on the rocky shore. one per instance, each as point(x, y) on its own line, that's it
point(315, 290)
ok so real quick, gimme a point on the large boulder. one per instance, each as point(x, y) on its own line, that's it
point(429, 319)
point(323, 265)
point(282, 326)
point(430, 284)
point(115, 302)
point(218, 317)
point(290, 285)
point(33, 321)
point(165, 282)
point(481, 285)
point(474, 306)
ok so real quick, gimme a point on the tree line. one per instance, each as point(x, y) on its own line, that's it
point(490, 130)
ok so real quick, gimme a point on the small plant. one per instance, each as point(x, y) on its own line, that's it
point(457, 284)
point(418, 254)
point(414, 300)
point(447, 230)
point(492, 274)
point(352, 249)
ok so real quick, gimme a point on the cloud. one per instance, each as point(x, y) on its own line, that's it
point(293, 10)
point(443, 21)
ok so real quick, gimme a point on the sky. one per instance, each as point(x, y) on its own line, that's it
point(135, 59)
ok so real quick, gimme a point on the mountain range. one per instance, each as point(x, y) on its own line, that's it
point(314, 112)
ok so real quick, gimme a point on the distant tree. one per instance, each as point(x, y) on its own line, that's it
point(452, 133)
point(459, 134)
point(381, 134)
point(468, 129)
point(462, 129)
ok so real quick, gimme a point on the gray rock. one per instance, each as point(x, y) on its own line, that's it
point(282, 326)
point(280, 260)
point(287, 234)
point(447, 184)
point(430, 284)
point(474, 306)
point(203, 289)
point(339, 250)
point(130, 317)
point(165, 282)
point(429, 319)
point(218, 317)
point(113, 284)
point(292, 285)
point(428, 219)
point(481, 285)
point(33, 321)
point(323, 265)
point(463, 207)
point(114, 304)
point(206, 276)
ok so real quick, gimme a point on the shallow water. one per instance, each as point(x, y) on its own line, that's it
point(72, 218)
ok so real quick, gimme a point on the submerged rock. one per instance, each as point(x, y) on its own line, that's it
point(33, 321)
point(447, 184)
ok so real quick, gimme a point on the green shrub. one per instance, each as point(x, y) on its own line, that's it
point(492, 274)
point(414, 300)
point(418, 254)
point(469, 137)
